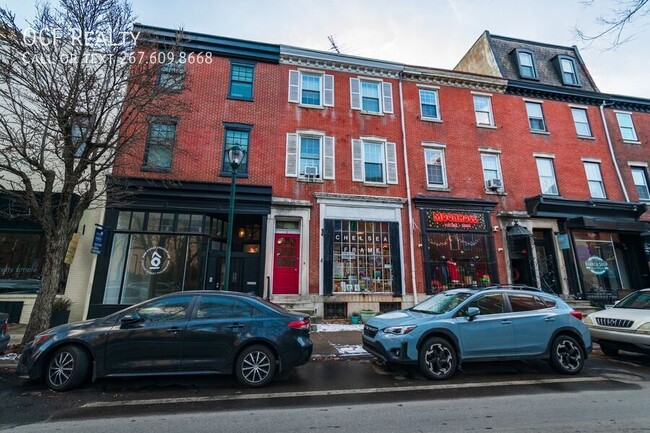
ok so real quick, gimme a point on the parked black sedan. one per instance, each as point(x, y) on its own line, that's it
point(180, 333)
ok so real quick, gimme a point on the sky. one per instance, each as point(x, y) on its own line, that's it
point(434, 33)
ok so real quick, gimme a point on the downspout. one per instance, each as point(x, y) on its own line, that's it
point(611, 149)
point(408, 191)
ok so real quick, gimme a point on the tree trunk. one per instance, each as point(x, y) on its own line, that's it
point(56, 247)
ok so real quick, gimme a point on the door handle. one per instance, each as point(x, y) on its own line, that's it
point(550, 319)
point(506, 322)
point(235, 326)
point(173, 329)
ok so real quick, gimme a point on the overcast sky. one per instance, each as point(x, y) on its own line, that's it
point(432, 33)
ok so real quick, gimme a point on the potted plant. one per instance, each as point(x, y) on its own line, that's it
point(367, 314)
point(60, 311)
point(355, 318)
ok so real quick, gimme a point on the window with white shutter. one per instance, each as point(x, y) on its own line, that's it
point(310, 156)
point(291, 168)
point(374, 162)
point(391, 163)
point(357, 160)
point(371, 96)
point(311, 89)
point(328, 158)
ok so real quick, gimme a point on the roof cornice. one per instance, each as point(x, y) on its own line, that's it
point(443, 77)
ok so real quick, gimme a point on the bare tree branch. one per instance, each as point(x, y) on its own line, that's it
point(615, 27)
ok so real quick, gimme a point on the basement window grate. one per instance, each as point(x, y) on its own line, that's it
point(335, 310)
point(385, 307)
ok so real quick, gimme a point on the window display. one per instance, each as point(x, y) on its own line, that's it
point(21, 261)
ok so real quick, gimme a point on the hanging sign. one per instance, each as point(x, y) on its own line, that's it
point(455, 220)
point(562, 241)
point(596, 265)
point(98, 240)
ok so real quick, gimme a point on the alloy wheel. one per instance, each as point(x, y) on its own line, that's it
point(256, 367)
point(61, 368)
point(569, 355)
point(439, 359)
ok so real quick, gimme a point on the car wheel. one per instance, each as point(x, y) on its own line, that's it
point(255, 366)
point(567, 356)
point(67, 368)
point(608, 349)
point(438, 359)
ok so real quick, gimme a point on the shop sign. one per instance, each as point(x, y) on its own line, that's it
point(596, 265)
point(455, 220)
point(156, 260)
point(98, 240)
point(562, 241)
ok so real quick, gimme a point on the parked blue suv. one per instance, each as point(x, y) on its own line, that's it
point(495, 323)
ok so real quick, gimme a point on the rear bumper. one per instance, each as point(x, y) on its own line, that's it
point(299, 355)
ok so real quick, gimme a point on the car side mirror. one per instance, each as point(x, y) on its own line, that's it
point(472, 312)
point(130, 319)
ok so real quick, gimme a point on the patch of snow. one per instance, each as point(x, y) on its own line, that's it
point(9, 357)
point(349, 349)
point(333, 327)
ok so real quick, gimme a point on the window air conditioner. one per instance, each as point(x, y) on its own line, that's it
point(311, 171)
point(494, 184)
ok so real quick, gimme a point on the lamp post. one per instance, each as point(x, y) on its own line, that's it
point(236, 156)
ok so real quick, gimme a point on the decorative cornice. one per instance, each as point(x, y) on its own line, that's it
point(353, 197)
point(454, 79)
point(341, 66)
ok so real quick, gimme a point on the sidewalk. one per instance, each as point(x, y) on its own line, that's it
point(331, 342)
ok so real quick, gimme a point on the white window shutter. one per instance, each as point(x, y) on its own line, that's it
point(328, 158)
point(355, 94)
point(387, 91)
point(291, 168)
point(294, 86)
point(357, 160)
point(328, 90)
point(391, 163)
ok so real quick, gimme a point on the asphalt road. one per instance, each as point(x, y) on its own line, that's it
point(349, 395)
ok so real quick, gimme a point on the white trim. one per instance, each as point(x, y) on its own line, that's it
point(372, 138)
point(489, 150)
point(637, 164)
point(309, 132)
point(427, 87)
point(536, 101)
point(433, 144)
point(481, 94)
point(623, 112)
point(582, 107)
point(589, 159)
point(543, 155)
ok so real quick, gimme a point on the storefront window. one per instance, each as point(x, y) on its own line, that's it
point(596, 257)
point(457, 259)
point(21, 261)
point(362, 257)
point(164, 259)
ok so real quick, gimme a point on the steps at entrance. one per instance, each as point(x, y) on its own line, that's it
point(584, 307)
point(295, 304)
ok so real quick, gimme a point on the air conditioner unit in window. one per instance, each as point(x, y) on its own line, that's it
point(494, 184)
point(311, 171)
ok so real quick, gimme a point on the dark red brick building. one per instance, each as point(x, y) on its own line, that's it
point(369, 184)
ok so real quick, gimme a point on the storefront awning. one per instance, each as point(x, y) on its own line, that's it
point(558, 207)
point(607, 224)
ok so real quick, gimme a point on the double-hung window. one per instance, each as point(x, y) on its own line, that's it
point(568, 71)
point(160, 143)
point(171, 76)
point(491, 171)
point(236, 134)
point(429, 108)
point(311, 88)
point(371, 96)
point(483, 110)
point(626, 126)
point(374, 161)
point(595, 180)
point(535, 117)
point(546, 174)
point(436, 170)
point(581, 122)
point(526, 64)
point(640, 177)
point(310, 156)
point(241, 80)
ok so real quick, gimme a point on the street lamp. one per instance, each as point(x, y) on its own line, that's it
point(236, 156)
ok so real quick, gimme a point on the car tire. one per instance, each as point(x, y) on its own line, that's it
point(67, 368)
point(255, 366)
point(438, 359)
point(608, 349)
point(567, 355)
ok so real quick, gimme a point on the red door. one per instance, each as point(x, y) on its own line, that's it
point(286, 265)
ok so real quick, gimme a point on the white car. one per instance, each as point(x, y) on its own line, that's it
point(626, 326)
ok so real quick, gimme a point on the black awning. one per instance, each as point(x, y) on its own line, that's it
point(615, 225)
point(543, 206)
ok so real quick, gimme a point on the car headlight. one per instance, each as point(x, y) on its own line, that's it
point(399, 330)
point(587, 320)
point(644, 329)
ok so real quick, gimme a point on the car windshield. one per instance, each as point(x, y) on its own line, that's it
point(442, 302)
point(638, 300)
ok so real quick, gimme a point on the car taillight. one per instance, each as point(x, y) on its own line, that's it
point(300, 324)
point(5, 327)
point(577, 314)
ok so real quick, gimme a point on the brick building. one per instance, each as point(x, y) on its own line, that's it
point(370, 184)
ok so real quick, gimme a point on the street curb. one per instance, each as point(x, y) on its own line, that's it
point(335, 357)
